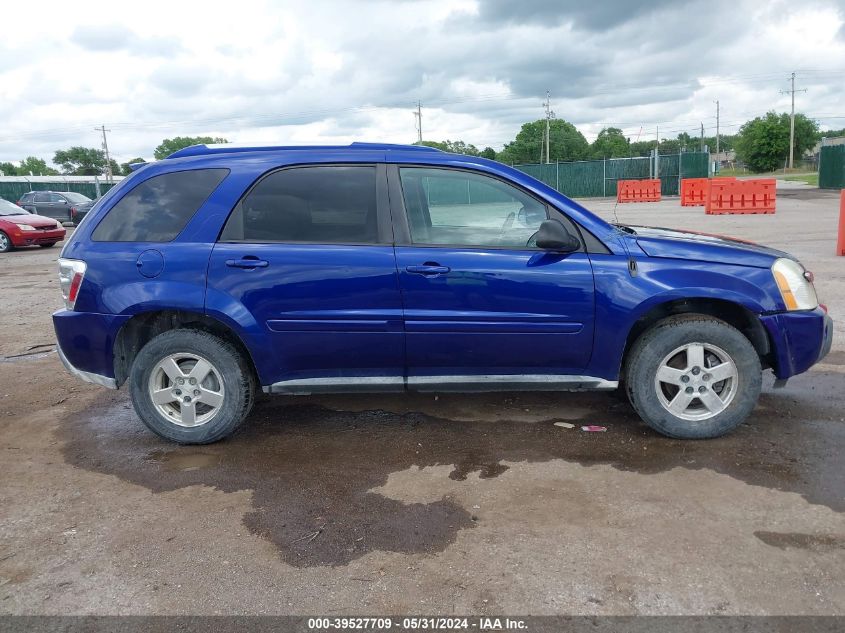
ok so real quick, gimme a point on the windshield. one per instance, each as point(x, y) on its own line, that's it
point(9, 208)
point(72, 196)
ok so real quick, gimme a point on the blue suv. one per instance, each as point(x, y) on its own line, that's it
point(378, 268)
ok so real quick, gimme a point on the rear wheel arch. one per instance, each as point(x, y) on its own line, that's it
point(730, 312)
point(143, 327)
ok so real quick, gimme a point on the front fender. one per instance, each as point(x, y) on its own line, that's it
point(622, 298)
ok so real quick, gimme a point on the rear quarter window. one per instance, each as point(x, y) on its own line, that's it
point(159, 208)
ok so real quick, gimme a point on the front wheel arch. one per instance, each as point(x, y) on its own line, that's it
point(732, 313)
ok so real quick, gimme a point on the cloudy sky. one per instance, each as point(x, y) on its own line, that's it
point(328, 71)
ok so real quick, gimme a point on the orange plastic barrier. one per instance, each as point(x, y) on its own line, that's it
point(638, 190)
point(694, 190)
point(741, 196)
point(840, 243)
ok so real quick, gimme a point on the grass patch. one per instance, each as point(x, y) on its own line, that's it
point(810, 179)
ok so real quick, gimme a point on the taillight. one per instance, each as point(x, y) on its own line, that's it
point(73, 212)
point(71, 273)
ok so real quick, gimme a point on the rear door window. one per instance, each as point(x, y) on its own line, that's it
point(321, 205)
point(42, 197)
point(159, 208)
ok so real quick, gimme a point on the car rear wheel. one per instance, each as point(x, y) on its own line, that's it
point(693, 377)
point(5, 243)
point(191, 387)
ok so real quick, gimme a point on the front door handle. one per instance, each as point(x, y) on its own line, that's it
point(428, 269)
point(247, 262)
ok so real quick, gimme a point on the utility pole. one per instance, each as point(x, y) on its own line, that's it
point(418, 119)
point(109, 175)
point(717, 129)
point(656, 150)
point(792, 92)
point(702, 137)
point(549, 116)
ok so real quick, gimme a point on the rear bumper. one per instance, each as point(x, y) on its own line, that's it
point(85, 343)
point(799, 340)
point(87, 376)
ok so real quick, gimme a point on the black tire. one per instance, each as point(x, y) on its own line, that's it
point(233, 370)
point(5, 243)
point(50, 245)
point(646, 357)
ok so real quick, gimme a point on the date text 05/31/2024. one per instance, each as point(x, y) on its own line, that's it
point(417, 624)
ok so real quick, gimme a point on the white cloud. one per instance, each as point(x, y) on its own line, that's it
point(334, 71)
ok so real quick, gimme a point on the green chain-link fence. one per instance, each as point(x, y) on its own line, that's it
point(596, 178)
point(12, 190)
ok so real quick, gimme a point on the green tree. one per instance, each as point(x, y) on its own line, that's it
point(36, 167)
point(8, 169)
point(488, 152)
point(832, 133)
point(642, 148)
point(126, 169)
point(170, 145)
point(454, 147)
point(81, 161)
point(565, 143)
point(670, 146)
point(610, 143)
point(763, 143)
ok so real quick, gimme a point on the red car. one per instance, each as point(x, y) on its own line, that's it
point(21, 228)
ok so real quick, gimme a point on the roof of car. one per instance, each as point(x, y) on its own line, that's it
point(234, 148)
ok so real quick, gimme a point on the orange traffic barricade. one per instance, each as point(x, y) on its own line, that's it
point(741, 196)
point(840, 243)
point(638, 190)
point(694, 191)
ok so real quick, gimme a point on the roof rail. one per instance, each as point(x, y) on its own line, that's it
point(233, 148)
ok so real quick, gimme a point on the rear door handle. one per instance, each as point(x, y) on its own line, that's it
point(247, 262)
point(428, 269)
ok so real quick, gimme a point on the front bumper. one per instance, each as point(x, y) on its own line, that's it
point(33, 238)
point(85, 343)
point(799, 339)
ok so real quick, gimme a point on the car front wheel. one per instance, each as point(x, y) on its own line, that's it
point(693, 377)
point(191, 387)
point(5, 243)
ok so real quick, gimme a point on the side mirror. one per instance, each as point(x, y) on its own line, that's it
point(553, 236)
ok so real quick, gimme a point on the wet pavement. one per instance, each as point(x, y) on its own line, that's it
point(312, 469)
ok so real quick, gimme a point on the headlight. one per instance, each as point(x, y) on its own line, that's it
point(24, 227)
point(795, 285)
